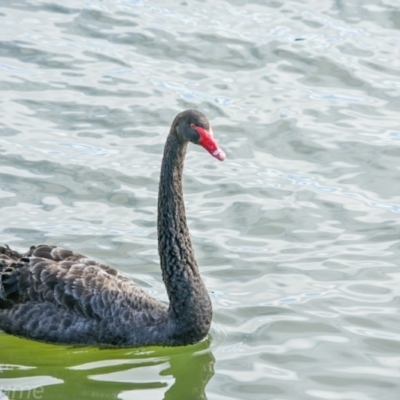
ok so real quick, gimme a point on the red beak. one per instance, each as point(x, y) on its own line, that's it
point(208, 142)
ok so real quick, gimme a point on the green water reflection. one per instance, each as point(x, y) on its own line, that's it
point(32, 370)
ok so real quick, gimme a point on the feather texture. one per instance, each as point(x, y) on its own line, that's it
point(56, 295)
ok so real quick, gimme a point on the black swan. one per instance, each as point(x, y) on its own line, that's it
point(55, 295)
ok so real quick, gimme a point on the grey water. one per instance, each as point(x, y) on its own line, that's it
point(297, 233)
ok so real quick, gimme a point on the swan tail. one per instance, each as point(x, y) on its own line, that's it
point(10, 264)
point(6, 253)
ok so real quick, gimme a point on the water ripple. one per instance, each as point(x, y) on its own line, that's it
point(296, 233)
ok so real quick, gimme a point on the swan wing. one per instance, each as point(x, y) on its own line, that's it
point(68, 280)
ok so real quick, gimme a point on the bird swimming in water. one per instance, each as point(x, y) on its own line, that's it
point(55, 295)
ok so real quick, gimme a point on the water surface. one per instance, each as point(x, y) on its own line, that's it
point(296, 233)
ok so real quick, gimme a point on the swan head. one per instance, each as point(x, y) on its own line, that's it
point(193, 126)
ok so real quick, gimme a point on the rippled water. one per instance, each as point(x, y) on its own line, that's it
point(297, 232)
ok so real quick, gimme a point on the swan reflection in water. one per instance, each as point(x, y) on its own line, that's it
point(59, 372)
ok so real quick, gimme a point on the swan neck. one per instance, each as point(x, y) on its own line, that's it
point(188, 296)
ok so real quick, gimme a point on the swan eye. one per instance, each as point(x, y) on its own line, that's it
point(193, 126)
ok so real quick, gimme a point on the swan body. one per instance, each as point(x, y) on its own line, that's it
point(56, 295)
